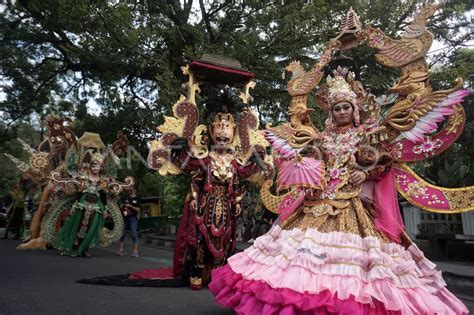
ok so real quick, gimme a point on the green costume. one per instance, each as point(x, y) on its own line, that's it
point(82, 229)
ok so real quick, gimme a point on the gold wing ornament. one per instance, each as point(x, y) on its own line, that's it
point(413, 121)
point(290, 138)
point(418, 110)
point(271, 202)
point(183, 124)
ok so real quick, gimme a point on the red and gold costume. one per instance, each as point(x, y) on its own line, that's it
point(218, 157)
point(209, 228)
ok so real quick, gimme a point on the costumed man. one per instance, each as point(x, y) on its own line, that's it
point(215, 199)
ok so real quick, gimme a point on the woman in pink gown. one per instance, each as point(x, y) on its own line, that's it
point(337, 254)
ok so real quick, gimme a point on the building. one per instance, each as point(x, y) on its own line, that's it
point(441, 236)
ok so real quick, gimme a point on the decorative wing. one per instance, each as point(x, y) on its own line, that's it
point(414, 44)
point(287, 138)
point(107, 237)
point(249, 135)
point(184, 124)
point(432, 198)
point(49, 230)
point(407, 151)
point(398, 52)
point(279, 138)
point(271, 202)
point(420, 117)
point(22, 166)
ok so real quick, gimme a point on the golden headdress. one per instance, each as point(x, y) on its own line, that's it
point(97, 158)
point(338, 88)
point(223, 125)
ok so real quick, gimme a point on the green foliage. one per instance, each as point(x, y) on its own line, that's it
point(124, 58)
point(129, 53)
point(459, 65)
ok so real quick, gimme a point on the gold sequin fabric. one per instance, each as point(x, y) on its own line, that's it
point(352, 218)
point(343, 210)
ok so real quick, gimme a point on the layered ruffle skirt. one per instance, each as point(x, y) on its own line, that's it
point(309, 272)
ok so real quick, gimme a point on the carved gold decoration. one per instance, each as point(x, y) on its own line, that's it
point(245, 95)
point(221, 165)
point(416, 97)
point(321, 209)
point(297, 138)
point(219, 210)
point(39, 162)
point(455, 120)
point(271, 202)
point(461, 199)
point(249, 135)
point(300, 131)
point(199, 142)
point(172, 124)
point(195, 281)
point(193, 87)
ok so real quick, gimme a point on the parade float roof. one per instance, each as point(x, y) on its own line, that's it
point(220, 70)
point(92, 140)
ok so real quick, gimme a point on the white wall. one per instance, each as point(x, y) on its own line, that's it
point(411, 215)
point(468, 223)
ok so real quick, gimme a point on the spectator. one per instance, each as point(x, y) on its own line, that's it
point(130, 207)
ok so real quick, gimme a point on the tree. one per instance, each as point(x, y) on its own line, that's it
point(453, 168)
point(133, 50)
point(125, 56)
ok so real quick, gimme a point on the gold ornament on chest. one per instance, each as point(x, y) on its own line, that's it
point(221, 165)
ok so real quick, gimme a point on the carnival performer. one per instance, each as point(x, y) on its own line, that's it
point(339, 246)
point(88, 198)
point(329, 256)
point(15, 214)
point(81, 231)
point(215, 199)
point(49, 156)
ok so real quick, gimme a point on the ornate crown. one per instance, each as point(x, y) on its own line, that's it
point(223, 125)
point(97, 158)
point(338, 88)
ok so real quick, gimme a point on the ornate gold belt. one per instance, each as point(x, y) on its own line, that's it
point(218, 190)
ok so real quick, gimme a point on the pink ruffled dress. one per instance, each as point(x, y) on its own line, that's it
point(337, 254)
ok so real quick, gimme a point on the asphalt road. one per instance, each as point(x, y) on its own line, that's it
point(43, 282)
